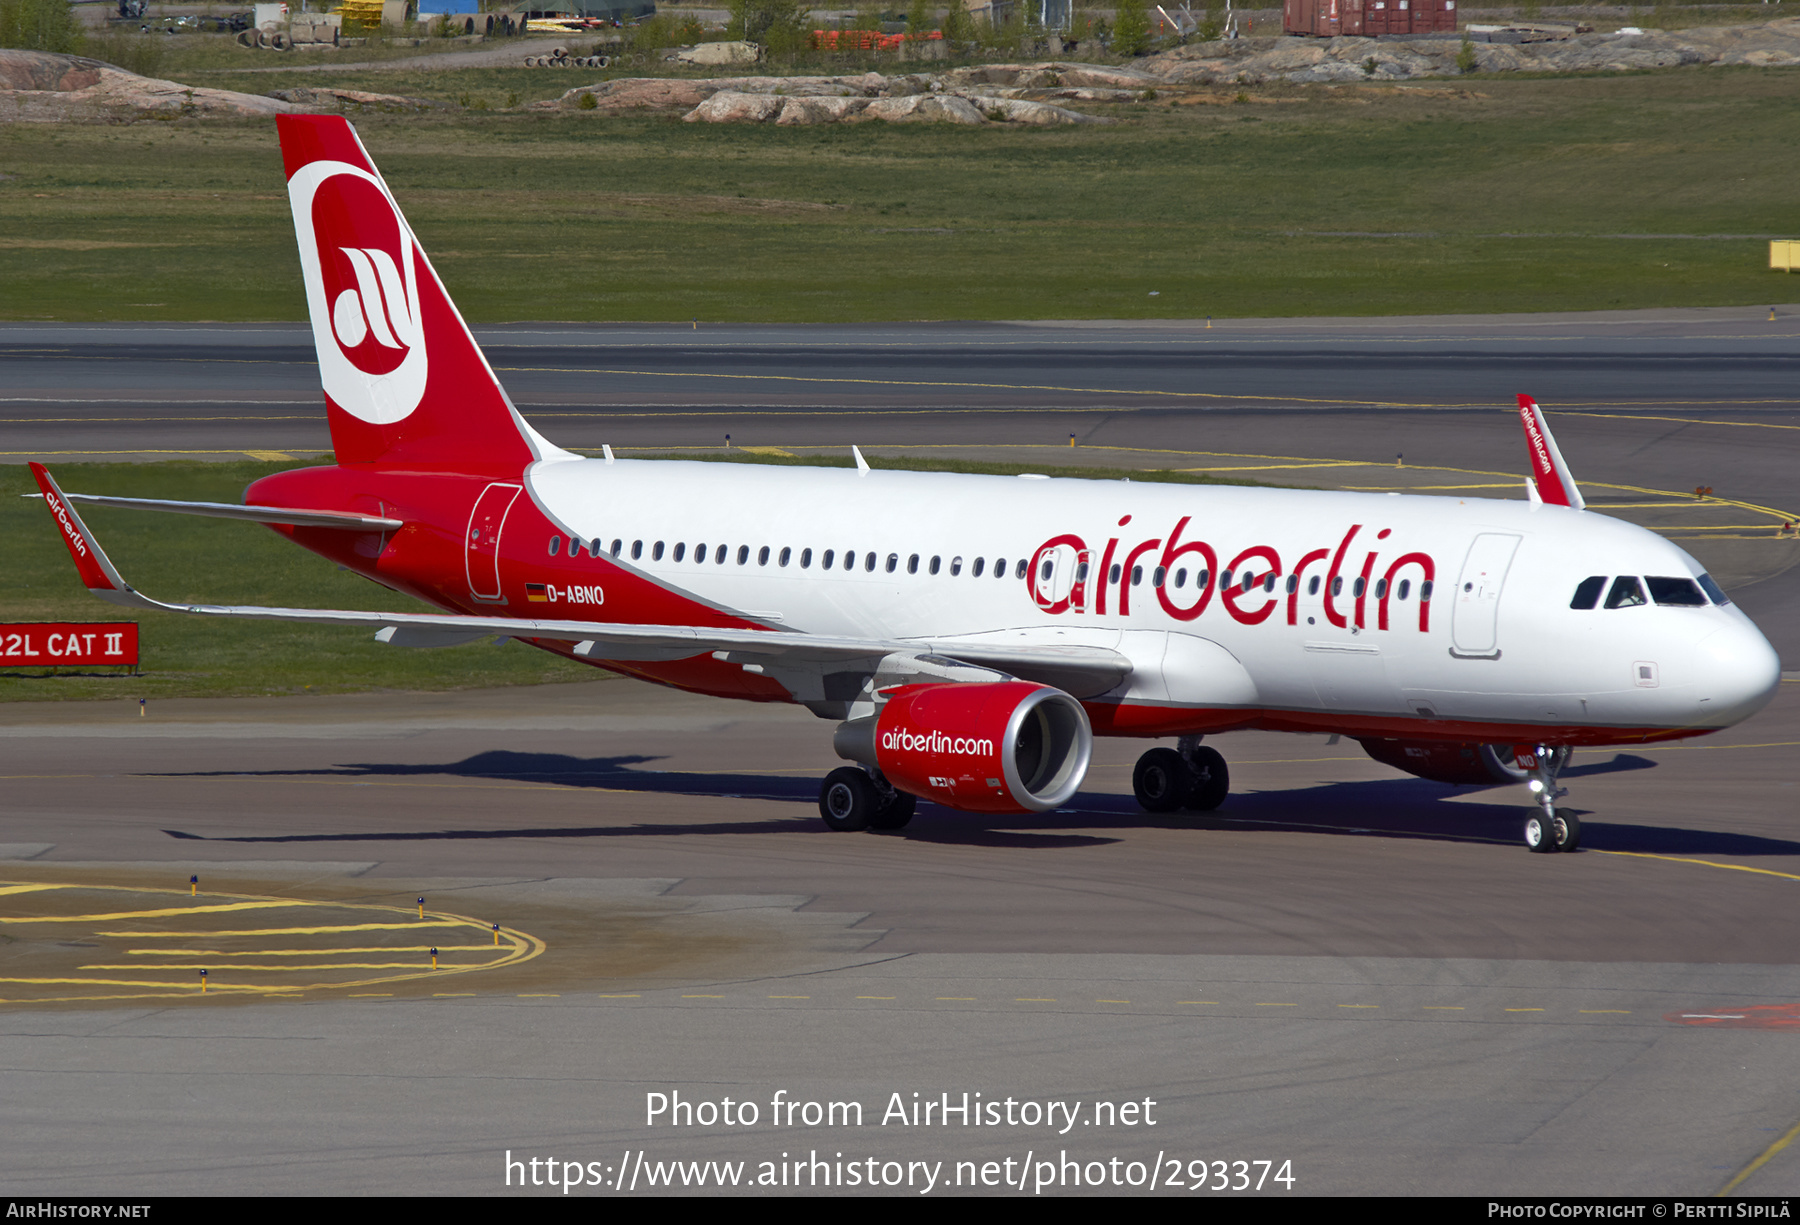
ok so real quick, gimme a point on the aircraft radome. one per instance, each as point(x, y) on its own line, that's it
point(969, 635)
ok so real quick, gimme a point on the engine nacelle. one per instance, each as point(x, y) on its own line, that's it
point(1463, 764)
point(1006, 746)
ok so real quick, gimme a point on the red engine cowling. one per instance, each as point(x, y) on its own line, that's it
point(1009, 746)
point(1464, 764)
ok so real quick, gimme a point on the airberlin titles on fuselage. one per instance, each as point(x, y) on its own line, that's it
point(1342, 580)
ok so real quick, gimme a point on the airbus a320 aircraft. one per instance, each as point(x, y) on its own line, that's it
point(969, 635)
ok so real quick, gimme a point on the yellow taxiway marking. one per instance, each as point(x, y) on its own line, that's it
point(541, 995)
point(1212, 1002)
point(875, 997)
point(452, 995)
point(1524, 1010)
point(281, 969)
point(702, 997)
point(1112, 1001)
point(518, 946)
point(291, 931)
point(1359, 1005)
point(1027, 999)
point(1262, 1004)
point(377, 948)
point(148, 914)
point(1444, 1008)
point(1705, 863)
point(371, 995)
point(956, 999)
point(1761, 1160)
point(620, 997)
point(790, 997)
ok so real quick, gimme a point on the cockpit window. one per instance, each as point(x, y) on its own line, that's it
point(1713, 591)
point(1681, 592)
point(1626, 592)
point(1588, 593)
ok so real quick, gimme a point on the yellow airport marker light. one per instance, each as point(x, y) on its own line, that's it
point(434, 957)
point(496, 935)
point(203, 982)
point(1071, 439)
point(193, 886)
point(421, 908)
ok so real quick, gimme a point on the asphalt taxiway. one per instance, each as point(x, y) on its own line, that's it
point(1358, 973)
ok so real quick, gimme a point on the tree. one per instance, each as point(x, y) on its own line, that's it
point(766, 21)
point(918, 18)
point(958, 26)
point(39, 25)
point(1131, 28)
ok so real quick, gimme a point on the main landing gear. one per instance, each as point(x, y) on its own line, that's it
point(1188, 776)
point(1550, 829)
point(854, 798)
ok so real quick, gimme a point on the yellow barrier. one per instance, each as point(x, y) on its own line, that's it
point(1784, 255)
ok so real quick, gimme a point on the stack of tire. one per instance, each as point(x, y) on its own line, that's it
point(275, 40)
point(559, 57)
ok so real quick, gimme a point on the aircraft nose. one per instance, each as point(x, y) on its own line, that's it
point(1740, 671)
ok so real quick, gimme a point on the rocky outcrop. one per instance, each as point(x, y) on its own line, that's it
point(328, 98)
point(44, 87)
point(720, 53)
point(730, 106)
point(1251, 61)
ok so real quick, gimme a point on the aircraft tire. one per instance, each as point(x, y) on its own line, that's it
point(848, 799)
point(1209, 791)
point(1540, 838)
point(1162, 780)
point(896, 812)
point(1566, 830)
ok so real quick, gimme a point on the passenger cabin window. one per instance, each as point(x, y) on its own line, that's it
point(637, 549)
point(617, 545)
point(762, 556)
point(1626, 592)
point(893, 562)
point(956, 566)
point(975, 570)
point(786, 556)
point(1676, 592)
point(1021, 568)
point(912, 564)
point(680, 550)
point(657, 551)
point(869, 563)
point(743, 554)
point(1587, 592)
point(555, 545)
point(1404, 589)
point(936, 564)
point(806, 559)
point(1312, 585)
point(1424, 592)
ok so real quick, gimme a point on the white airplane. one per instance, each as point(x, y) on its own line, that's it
point(969, 635)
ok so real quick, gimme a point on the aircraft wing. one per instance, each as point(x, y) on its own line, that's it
point(1083, 670)
point(348, 520)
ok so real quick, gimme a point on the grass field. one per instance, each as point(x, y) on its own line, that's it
point(189, 560)
point(1477, 195)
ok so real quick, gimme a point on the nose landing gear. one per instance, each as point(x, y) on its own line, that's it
point(1550, 829)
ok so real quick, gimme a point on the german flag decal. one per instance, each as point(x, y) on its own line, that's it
point(535, 594)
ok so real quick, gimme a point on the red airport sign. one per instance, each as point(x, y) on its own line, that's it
point(39, 644)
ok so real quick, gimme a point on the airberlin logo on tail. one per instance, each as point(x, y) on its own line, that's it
point(362, 289)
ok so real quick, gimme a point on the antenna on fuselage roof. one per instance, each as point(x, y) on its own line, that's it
point(1551, 481)
point(862, 465)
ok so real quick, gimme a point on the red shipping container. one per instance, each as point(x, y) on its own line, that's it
point(1322, 18)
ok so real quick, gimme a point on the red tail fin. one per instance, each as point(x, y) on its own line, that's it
point(404, 381)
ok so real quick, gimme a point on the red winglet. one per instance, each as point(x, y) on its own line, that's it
point(96, 571)
point(1550, 475)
